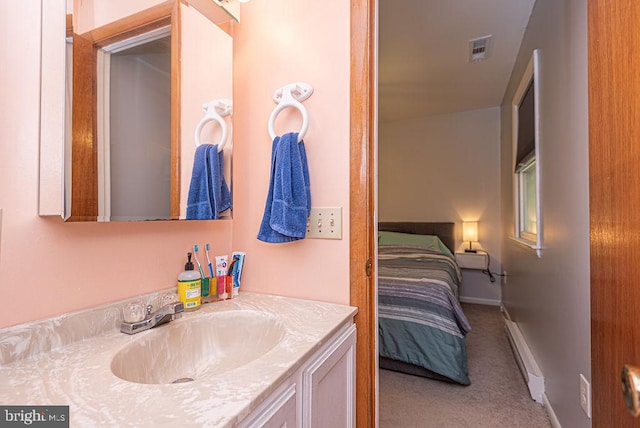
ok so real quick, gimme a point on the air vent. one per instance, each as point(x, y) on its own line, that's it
point(480, 48)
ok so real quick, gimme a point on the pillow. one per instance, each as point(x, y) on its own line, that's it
point(430, 242)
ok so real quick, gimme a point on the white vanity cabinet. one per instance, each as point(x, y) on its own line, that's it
point(328, 383)
point(321, 394)
point(279, 410)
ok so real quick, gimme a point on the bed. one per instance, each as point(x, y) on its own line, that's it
point(421, 326)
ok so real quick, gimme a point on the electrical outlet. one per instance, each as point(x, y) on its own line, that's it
point(325, 223)
point(585, 395)
point(504, 277)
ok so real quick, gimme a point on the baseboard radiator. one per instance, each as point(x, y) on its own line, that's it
point(523, 356)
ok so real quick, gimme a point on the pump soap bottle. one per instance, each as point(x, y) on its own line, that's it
point(189, 285)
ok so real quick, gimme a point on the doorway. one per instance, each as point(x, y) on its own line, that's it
point(440, 112)
point(563, 286)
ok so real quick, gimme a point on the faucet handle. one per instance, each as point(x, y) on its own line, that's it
point(133, 311)
point(177, 307)
point(175, 310)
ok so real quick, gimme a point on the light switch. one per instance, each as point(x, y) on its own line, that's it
point(325, 223)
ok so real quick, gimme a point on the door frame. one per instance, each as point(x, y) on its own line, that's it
point(362, 205)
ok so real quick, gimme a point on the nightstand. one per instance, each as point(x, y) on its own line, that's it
point(477, 260)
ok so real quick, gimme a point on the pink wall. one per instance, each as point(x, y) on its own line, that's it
point(48, 267)
point(277, 43)
point(95, 13)
point(206, 56)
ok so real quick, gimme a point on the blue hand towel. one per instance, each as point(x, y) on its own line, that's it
point(289, 197)
point(220, 195)
point(208, 191)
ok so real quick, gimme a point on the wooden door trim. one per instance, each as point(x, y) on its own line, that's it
point(362, 208)
point(84, 156)
point(176, 118)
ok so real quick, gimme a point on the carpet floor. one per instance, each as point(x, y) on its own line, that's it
point(497, 396)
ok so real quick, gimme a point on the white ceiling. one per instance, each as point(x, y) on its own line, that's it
point(424, 48)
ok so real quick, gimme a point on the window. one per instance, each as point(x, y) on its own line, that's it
point(528, 215)
point(526, 159)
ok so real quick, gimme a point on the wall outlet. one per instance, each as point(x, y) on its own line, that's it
point(325, 223)
point(585, 395)
point(504, 277)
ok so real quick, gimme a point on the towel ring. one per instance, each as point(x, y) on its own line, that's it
point(291, 95)
point(215, 110)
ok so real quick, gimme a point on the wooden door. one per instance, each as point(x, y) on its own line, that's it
point(614, 162)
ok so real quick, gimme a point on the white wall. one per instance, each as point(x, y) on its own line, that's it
point(549, 296)
point(446, 168)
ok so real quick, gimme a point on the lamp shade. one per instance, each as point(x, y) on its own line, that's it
point(470, 231)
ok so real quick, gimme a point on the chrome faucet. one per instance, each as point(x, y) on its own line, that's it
point(169, 312)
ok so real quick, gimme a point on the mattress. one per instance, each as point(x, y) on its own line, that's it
point(420, 320)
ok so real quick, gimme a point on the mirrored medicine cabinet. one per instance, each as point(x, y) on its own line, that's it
point(121, 97)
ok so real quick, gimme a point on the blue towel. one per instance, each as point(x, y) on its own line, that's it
point(220, 194)
point(209, 194)
point(289, 198)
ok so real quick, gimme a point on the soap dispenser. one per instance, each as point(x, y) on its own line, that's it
point(189, 286)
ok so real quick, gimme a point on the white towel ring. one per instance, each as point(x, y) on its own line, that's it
point(215, 110)
point(291, 95)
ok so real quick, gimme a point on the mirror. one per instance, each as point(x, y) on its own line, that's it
point(139, 76)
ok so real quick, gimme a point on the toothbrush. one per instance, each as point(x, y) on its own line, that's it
point(208, 260)
point(195, 256)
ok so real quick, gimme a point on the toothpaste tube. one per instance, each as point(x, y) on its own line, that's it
point(236, 271)
point(221, 275)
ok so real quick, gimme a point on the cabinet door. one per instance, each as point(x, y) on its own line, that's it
point(329, 384)
point(280, 411)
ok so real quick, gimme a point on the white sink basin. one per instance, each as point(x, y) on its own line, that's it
point(188, 349)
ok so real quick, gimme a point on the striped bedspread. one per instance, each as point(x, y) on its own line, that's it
point(419, 316)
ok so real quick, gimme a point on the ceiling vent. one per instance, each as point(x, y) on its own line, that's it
point(480, 48)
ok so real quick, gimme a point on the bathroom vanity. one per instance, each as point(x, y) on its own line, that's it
point(319, 394)
point(258, 360)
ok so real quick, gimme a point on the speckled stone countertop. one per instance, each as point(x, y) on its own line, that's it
point(67, 361)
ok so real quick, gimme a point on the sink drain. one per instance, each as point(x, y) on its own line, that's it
point(183, 380)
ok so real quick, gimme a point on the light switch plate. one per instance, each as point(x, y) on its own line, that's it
point(325, 223)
